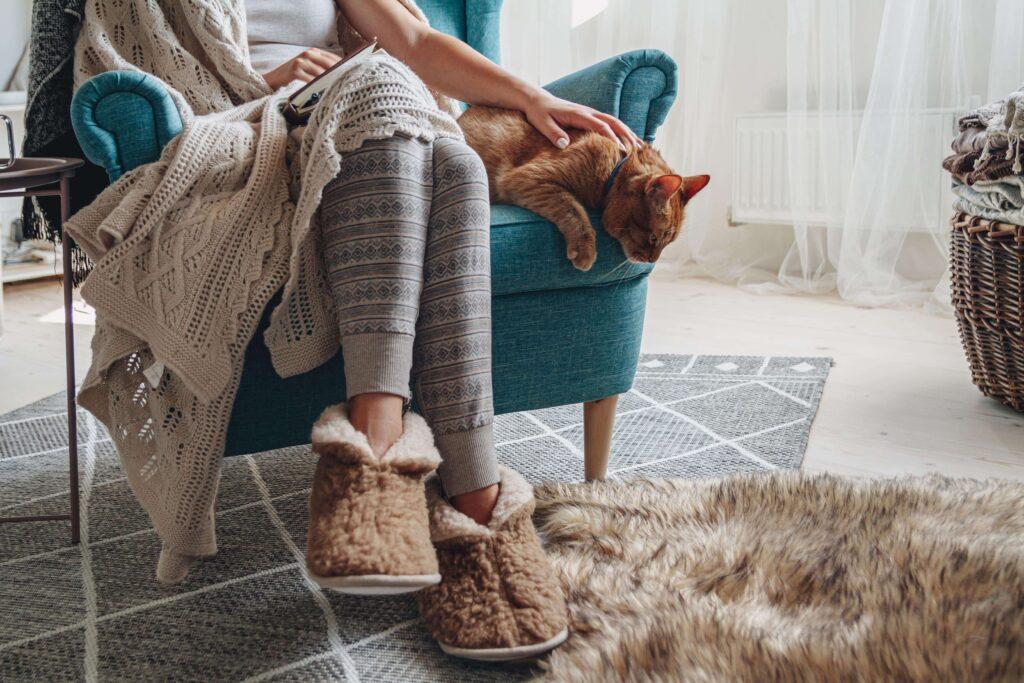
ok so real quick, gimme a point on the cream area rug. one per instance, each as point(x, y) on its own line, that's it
point(781, 577)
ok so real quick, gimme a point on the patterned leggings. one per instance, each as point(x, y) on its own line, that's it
point(406, 228)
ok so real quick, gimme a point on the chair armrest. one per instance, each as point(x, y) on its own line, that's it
point(123, 119)
point(638, 87)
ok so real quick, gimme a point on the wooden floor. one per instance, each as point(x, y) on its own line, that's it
point(32, 345)
point(898, 401)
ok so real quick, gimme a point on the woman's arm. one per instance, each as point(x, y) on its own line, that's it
point(450, 66)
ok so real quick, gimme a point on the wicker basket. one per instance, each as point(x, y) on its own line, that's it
point(987, 264)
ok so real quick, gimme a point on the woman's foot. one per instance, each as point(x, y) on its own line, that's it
point(499, 598)
point(379, 417)
point(368, 528)
point(477, 505)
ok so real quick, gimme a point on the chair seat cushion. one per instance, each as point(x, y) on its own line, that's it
point(528, 255)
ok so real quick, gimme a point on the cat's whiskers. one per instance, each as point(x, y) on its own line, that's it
point(623, 266)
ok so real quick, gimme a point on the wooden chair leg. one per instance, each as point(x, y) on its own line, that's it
point(598, 420)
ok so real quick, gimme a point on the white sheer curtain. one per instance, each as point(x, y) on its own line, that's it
point(820, 138)
point(869, 89)
point(883, 242)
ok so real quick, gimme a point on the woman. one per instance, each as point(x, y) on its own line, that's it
point(411, 292)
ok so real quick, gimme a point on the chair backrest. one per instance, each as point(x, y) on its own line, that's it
point(477, 22)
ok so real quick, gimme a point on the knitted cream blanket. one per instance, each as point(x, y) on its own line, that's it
point(190, 249)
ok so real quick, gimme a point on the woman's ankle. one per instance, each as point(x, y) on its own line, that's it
point(379, 417)
point(477, 505)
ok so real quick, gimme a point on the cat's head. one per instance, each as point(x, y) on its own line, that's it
point(646, 204)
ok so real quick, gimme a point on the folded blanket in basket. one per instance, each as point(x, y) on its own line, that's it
point(966, 164)
point(989, 144)
point(999, 200)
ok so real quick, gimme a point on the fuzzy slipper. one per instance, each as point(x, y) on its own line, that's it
point(368, 528)
point(498, 599)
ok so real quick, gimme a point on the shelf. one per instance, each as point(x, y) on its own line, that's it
point(20, 272)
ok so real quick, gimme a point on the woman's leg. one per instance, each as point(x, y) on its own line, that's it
point(374, 220)
point(452, 355)
point(387, 271)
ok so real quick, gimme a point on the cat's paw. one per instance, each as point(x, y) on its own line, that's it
point(582, 254)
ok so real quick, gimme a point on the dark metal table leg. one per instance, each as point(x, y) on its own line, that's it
point(69, 359)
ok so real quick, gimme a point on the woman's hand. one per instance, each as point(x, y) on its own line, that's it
point(551, 115)
point(304, 67)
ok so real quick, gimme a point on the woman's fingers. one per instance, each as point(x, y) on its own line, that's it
point(322, 58)
point(624, 132)
point(304, 67)
point(597, 125)
point(305, 73)
point(590, 119)
point(312, 63)
point(550, 129)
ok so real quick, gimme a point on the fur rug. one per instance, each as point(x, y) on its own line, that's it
point(784, 578)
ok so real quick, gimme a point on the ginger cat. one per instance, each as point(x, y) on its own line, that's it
point(643, 207)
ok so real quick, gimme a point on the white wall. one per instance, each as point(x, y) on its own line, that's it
point(14, 28)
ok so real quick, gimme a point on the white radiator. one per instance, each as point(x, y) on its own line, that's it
point(761, 191)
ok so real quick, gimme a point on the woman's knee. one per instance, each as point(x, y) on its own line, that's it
point(390, 161)
point(455, 162)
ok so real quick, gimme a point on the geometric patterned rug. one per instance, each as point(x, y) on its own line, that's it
point(95, 611)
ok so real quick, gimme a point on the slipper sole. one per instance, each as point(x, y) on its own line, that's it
point(377, 584)
point(506, 654)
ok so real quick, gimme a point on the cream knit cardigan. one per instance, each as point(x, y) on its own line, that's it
point(189, 249)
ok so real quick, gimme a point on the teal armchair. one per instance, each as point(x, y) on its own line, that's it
point(560, 336)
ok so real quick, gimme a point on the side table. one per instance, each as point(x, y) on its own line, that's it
point(49, 177)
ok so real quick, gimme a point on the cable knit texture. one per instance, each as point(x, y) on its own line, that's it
point(190, 249)
point(368, 515)
point(497, 588)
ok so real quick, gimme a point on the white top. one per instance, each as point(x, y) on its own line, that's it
point(280, 29)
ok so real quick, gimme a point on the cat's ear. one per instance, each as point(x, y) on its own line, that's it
point(694, 184)
point(664, 186)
